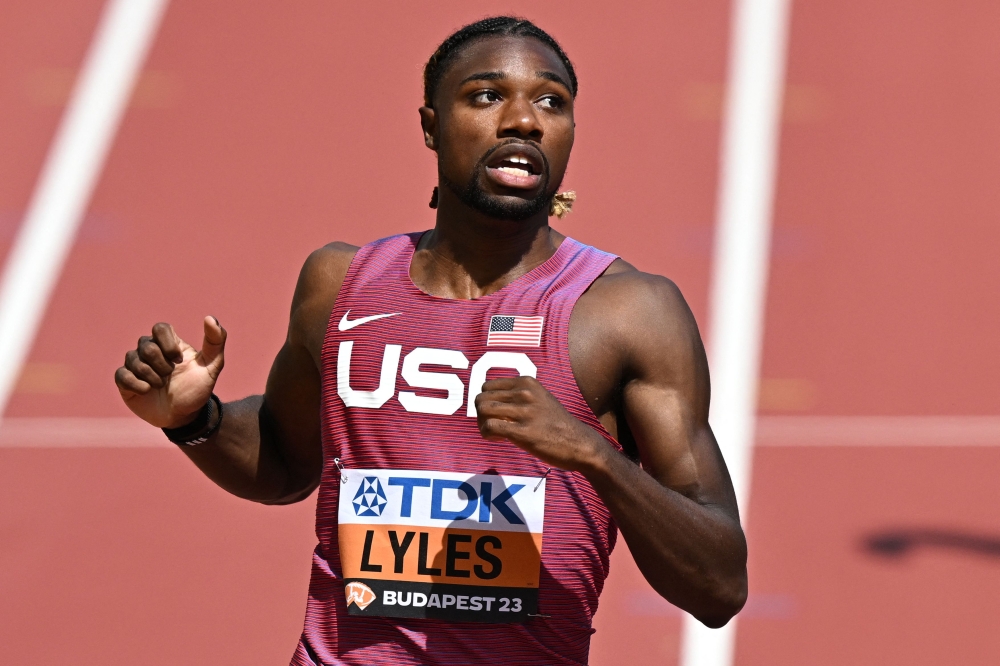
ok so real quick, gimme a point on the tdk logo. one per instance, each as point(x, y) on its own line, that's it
point(450, 499)
point(417, 378)
point(370, 498)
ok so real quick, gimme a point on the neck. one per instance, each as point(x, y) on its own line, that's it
point(468, 255)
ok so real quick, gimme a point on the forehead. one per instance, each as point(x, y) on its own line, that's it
point(514, 56)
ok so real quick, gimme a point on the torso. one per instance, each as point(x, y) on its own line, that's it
point(372, 422)
point(596, 339)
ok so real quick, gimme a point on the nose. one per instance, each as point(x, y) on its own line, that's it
point(520, 119)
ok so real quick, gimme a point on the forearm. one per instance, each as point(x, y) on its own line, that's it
point(242, 456)
point(692, 554)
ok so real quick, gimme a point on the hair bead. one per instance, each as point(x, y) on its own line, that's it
point(562, 204)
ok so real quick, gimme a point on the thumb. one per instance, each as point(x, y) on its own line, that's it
point(213, 346)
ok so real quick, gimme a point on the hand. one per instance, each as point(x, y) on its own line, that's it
point(521, 410)
point(165, 381)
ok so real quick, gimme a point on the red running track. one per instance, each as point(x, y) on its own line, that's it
point(257, 134)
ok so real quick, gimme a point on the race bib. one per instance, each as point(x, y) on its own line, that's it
point(441, 545)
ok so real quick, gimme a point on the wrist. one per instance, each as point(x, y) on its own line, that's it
point(187, 419)
point(202, 426)
point(596, 462)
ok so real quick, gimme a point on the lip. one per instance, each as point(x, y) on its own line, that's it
point(504, 179)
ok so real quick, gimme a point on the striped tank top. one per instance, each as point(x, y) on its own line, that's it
point(435, 545)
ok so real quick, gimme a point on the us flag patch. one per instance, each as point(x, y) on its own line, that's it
point(513, 331)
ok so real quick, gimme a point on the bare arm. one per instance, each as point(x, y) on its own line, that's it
point(678, 511)
point(268, 447)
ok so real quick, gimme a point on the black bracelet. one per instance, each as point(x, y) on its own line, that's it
point(204, 425)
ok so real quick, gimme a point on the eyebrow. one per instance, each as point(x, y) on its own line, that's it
point(499, 76)
point(552, 76)
point(484, 76)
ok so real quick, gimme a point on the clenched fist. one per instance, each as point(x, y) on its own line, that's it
point(522, 411)
point(165, 381)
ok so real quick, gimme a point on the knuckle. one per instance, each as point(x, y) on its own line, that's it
point(151, 377)
point(149, 350)
point(488, 407)
point(498, 425)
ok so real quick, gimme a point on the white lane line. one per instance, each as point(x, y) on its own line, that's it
point(60, 432)
point(878, 431)
point(772, 431)
point(748, 164)
point(71, 170)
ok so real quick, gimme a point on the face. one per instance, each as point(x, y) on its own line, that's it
point(502, 126)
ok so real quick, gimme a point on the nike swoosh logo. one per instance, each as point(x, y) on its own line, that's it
point(346, 325)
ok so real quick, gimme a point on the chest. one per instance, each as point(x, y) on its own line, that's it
point(389, 346)
point(433, 358)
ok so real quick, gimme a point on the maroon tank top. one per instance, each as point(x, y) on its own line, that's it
point(435, 545)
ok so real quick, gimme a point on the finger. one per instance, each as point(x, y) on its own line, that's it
point(137, 367)
point(504, 383)
point(518, 396)
point(213, 346)
point(168, 340)
point(489, 409)
point(128, 384)
point(151, 354)
point(497, 429)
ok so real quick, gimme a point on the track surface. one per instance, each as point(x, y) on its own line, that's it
point(256, 135)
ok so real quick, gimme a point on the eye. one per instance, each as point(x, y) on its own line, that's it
point(552, 102)
point(486, 97)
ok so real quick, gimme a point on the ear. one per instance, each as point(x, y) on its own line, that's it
point(428, 121)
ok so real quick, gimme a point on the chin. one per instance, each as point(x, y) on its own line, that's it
point(502, 208)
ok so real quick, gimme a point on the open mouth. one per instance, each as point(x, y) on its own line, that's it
point(516, 166)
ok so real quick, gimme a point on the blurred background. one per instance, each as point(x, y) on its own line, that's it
point(256, 132)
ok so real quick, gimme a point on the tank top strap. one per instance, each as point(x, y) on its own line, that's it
point(382, 262)
point(563, 281)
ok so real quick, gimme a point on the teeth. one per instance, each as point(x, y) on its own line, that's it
point(512, 171)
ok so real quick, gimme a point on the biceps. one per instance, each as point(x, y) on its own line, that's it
point(676, 444)
point(292, 405)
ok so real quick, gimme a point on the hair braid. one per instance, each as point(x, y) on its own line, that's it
point(498, 26)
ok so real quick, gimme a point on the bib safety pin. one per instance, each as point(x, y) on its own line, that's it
point(343, 472)
point(537, 485)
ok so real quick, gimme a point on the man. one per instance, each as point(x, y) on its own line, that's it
point(472, 403)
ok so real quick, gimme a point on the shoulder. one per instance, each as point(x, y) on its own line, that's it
point(316, 292)
point(626, 291)
point(643, 315)
point(325, 265)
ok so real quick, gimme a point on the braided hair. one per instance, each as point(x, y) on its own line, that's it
point(494, 26)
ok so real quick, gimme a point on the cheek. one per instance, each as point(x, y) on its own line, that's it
point(559, 148)
point(454, 163)
point(558, 162)
point(462, 143)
